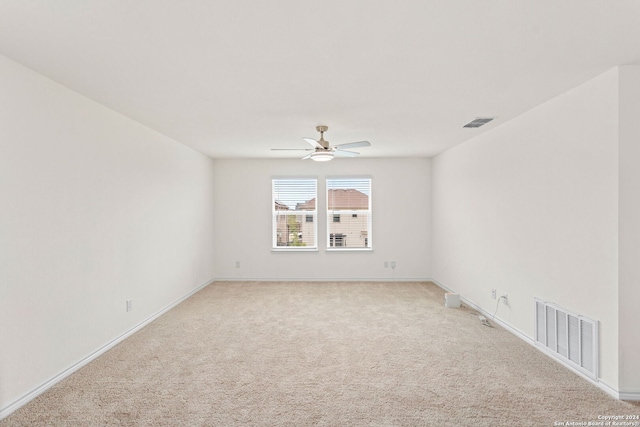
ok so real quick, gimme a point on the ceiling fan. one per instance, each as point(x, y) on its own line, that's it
point(323, 152)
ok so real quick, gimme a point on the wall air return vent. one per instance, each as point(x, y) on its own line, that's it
point(478, 122)
point(567, 336)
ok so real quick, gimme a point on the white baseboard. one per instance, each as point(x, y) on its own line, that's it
point(630, 395)
point(26, 398)
point(598, 383)
point(316, 279)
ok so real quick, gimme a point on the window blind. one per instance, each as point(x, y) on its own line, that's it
point(294, 225)
point(349, 213)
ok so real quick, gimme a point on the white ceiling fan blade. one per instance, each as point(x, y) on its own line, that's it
point(344, 153)
point(354, 144)
point(308, 156)
point(291, 149)
point(313, 142)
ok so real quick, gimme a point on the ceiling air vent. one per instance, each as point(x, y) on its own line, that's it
point(478, 122)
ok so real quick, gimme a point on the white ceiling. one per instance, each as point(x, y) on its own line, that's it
point(234, 78)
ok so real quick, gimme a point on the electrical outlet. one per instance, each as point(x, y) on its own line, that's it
point(129, 305)
point(493, 293)
point(386, 264)
point(393, 264)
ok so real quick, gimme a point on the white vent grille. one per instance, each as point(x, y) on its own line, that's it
point(567, 336)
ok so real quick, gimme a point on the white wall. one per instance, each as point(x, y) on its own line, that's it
point(96, 209)
point(629, 229)
point(530, 209)
point(401, 220)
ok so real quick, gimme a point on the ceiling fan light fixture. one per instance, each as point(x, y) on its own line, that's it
point(322, 156)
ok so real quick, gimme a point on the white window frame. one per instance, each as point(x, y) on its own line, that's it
point(276, 214)
point(348, 215)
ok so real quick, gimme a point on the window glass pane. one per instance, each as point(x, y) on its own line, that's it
point(349, 213)
point(294, 213)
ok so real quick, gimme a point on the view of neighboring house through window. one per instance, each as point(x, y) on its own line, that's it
point(294, 214)
point(349, 213)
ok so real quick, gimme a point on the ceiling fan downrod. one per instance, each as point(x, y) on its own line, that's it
point(322, 129)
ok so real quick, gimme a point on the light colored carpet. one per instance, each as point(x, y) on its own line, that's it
point(320, 354)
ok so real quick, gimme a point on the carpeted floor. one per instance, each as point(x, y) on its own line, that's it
point(320, 354)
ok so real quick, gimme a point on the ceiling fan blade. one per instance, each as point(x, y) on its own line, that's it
point(291, 149)
point(313, 142)
point(344, 153)
point(308, 156)
point(354, 144)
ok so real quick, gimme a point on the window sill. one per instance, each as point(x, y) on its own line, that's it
point(342, 250)
point(294, 249)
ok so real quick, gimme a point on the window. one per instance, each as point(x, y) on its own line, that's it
point(349, 213)
point(294, 211)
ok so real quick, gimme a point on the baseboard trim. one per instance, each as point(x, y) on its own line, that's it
point(315, 279)
point(26, 398)
point(598, 383)
point(633, 396)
